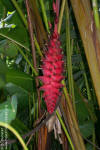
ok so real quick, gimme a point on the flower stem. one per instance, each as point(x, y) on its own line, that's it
point(37, 47)
point(69, 48)
point(65, 130)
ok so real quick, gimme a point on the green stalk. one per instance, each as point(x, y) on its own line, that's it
point(16, 134)
point(65, 130)
point(27, 60)
point(69, 48)
point(44, 15)
point(73, 116)
point(61, 15)
point(37, 47)
point(15, 42)
point(92, 49)
point(96, 14)
point(20, 13)
point(71, 73)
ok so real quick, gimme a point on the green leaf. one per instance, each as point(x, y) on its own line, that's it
point(21, 79)
point(89, 146)
point(87, 129)
point(14, 103)
point(8, 5)
point(1, 10)
point(19, 126)
point(19, 33)
point(81, 109)
point(8, 48)
point(7, 111)
point(3, 67)
point(2, 81)
point(23, 97)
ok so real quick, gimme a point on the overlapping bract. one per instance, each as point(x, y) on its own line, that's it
point(52, 72)
point(53, 67)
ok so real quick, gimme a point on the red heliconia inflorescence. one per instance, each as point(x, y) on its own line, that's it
point(52, 69)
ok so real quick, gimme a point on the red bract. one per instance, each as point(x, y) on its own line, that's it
point(52, 70)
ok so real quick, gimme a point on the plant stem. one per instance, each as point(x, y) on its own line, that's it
point(38, 20)
point(68, 45)
point(65, 130)
point(61, 16)
point(38, 47)
point(14, 132)
point(73, 116)
point(20, 13)
point(27, 60)
point(96, 14)
point(33, 52)
point(44, 15)
point(92, 49)
point(15, 42)
point(69, 48)
point(71, 73)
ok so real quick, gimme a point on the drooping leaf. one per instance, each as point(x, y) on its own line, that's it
point(22, 94)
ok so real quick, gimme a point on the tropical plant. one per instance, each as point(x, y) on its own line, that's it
point(31, 52)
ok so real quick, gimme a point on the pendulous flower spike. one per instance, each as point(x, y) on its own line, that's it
point(52, 69)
